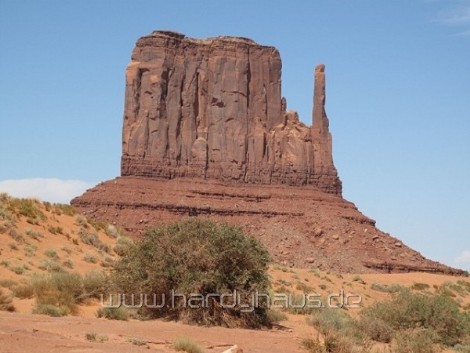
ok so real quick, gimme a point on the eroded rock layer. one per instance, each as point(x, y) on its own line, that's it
point(213, 109)
point(300, 225)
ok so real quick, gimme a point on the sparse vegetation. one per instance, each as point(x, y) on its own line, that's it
point(18, 269)
point(60, 209)
point(51, 253)
point(136, 341)
point(420, 286)
point(94, 337)
point(393, 288)
point(123, 245)
point(68, 263)
point(358, 279)
point(90, 258)
point(6, 302)
point(109, 313)
point(93, 239)
point(55, 230)
point(275, 316)
point(23, 291)
point(186, 344)
point(7, 283)
point(414, 341)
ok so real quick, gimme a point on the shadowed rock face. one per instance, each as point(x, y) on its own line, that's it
point(213, 109)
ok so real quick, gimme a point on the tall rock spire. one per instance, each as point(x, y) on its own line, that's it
point(321, 136)
point(319, 118)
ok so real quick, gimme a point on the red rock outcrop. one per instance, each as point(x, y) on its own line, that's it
point(206, 134)
point(212, 109)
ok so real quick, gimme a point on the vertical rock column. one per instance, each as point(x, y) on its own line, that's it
point(325, 172)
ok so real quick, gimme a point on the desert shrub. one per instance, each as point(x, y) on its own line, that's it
point(61, 290)
point(23, 291)
point(50, 266)
point(55, 230)
point(17, 236)
point(304, 287)
point(186, 344)
point(50, 310)
point(6, 302)
point(375, 329)
point(13, 246)
point(358, 279)
point(420, 286)
point(28, 208)
point(112, 231)
point(19, 270)
point(93, 240)
point(60, 209)
point(94, 337)
point(414, 341)
point(136, 341)
point(33, 234)
point(110, 313)
point(462, 348)
point(7, 283)
point(81, 221)
point(68, 263)
point(275, 316)
point(313, 345)
point(201, 257)
point(30, 250)
point(337, 342)
point(95, 283)
point(331, 320)
point(438, 313)
point(90, 258)
point(123, 245)
point(107, 262)
point(393, 288)
point(51, 253)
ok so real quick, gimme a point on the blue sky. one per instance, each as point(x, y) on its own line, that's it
point(398, 96)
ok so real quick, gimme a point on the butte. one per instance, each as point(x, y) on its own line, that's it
point(206, 134)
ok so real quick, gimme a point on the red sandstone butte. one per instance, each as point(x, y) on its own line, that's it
point(213, 109)
point(206, 134)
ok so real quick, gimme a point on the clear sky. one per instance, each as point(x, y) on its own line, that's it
point(398, 96)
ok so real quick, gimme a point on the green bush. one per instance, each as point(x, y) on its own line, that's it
point(393, 288)
point(95, 283)
point(64, 209)
point(376, 329)
point(93, 240)
point(23, 291)
point(51, 310)
point(61, 290)
point(119, 313)
point(201, 257)
point(123, 245)
point(51, 253)
point(409, 310)
point(331, 320)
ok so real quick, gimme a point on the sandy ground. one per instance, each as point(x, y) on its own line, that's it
point(21, 333)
